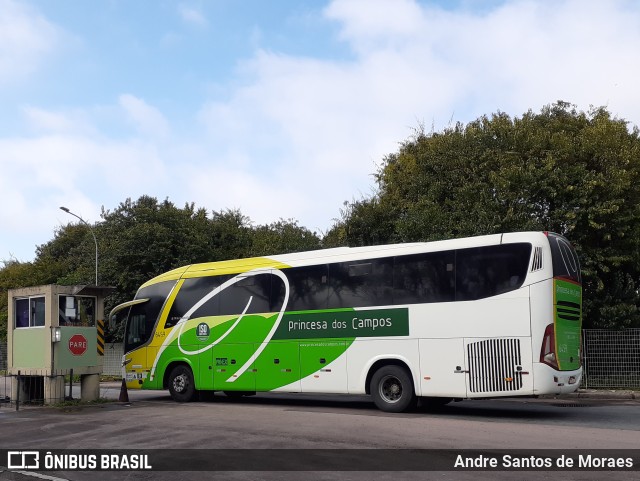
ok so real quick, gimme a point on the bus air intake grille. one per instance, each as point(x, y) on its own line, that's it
point(494, 365)
point(536, 264)
point(569, 311)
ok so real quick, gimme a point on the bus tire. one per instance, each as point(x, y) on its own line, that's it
point(392, 389)
point(181, 385)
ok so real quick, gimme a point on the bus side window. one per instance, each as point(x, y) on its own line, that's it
point(307, 289)
point(488, 271)
point(234, 299)
point(424, 278)
point(191, 293)
point(360, 284)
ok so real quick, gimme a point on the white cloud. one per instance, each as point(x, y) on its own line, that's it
point(192, 15)
point(26, 40)
point(65, 163)
point(81, 172)
point(147, 119)
point(368, 24)
point(73, 122)
point(517, 56)
point(526, 54)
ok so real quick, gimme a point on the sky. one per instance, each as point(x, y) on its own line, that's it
point(282, 109)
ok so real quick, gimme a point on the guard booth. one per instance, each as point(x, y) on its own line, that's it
point(54, 332)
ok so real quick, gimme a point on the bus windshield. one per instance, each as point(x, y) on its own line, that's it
point(142, 317)
point(565, 260)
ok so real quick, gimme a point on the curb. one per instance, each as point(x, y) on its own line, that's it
point(600, 394)
point(604, 394)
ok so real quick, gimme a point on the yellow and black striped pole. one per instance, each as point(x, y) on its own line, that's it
point(100, 337)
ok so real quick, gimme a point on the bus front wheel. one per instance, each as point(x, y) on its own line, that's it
point(392, 389)
point(181, 385)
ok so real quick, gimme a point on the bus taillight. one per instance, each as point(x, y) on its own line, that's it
point(548, 351)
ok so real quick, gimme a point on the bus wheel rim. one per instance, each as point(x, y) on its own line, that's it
point(391, 389)
point(180, 383)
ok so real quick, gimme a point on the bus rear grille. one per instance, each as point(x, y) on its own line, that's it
point(493, 365)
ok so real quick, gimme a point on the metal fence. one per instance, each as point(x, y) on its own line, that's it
point(3, 357)
point(21, 390)
point(611, 360)
point(112, 360)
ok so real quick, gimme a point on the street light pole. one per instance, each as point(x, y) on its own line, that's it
point(90, 230)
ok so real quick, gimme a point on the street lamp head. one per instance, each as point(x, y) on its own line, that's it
point(64, 209)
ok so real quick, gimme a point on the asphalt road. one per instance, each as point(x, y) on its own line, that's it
point(294, 422)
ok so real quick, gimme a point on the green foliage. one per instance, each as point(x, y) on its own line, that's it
point(139, 240)
point(336, 236)
point(560, 170)
point(281, 237)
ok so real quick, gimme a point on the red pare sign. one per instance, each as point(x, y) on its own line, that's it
point(78, 344)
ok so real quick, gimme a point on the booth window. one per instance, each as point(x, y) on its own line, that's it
point(76, 311)
point(29, 312)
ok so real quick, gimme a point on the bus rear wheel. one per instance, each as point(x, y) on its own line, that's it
point(392, 389)
point(181, 385)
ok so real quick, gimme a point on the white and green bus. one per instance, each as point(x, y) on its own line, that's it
point(480, 317)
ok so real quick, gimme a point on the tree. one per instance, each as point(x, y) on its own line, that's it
point(230, 235)
point(570, 172)
point(281, 237)
point(142, 239)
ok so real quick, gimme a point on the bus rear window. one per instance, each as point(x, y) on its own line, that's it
point(564, 258)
